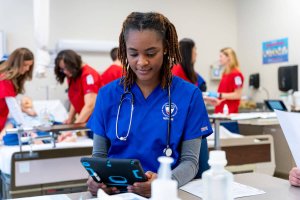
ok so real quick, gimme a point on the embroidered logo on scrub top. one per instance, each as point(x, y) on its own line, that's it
point(166, 110)
point(205, 128)
point(90, 79)
point(238, 81)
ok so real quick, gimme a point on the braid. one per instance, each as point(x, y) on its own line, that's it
point(173, 53)
point(160, 24)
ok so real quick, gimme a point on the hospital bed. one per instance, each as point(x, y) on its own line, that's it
point(48, 111)
point(42, 169)
point(28, 170)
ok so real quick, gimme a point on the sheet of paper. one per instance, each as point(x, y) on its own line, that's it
point(239, 190)
point(127, 196)
point(289, 123)
point(50, 197)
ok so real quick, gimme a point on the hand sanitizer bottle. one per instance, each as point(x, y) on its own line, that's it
point(217, 181)
point(225, 109)
point(164, 187)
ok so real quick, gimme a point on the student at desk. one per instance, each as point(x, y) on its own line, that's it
point(13, 74)
point(148, 47)
point(185, 69)
point(84, 83)
point(231, 84)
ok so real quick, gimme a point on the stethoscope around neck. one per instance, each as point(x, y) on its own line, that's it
point(167, 151)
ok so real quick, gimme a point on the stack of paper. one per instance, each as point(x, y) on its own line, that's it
point(239, 190)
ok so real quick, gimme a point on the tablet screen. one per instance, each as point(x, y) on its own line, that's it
point(275, 105)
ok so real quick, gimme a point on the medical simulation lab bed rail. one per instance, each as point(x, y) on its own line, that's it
point(53, 168)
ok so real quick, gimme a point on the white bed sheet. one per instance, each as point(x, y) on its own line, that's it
point(54, 107)
point(46, 110)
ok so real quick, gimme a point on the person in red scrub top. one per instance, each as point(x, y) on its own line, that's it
point(115, 70)
point(14, 72)
point(83, 81)
point(230, 88)
point(185, 69)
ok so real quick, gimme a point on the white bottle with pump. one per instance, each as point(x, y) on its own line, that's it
point(225, 109)
point(164, 187)
point(217, 181)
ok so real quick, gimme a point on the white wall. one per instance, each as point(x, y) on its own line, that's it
point(260, 21)
point(16, 20)
point(211, 23)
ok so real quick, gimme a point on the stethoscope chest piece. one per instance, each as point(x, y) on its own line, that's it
point(168, 151)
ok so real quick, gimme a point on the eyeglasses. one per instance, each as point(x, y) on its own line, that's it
point(63, 70)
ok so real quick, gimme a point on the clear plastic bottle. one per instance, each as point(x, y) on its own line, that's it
point(164, 187)
point(225, 109)
point(217, 181)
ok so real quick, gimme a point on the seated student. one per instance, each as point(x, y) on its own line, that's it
point(115, 70)
point(148, 47)
point(294, 177)
point(185, 69)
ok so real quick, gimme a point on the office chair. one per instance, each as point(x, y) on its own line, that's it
point(203, 158)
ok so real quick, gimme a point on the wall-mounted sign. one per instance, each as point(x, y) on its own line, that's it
point(275, 51)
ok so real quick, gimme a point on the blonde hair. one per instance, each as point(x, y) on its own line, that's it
point(233, 61)
point(9, 70)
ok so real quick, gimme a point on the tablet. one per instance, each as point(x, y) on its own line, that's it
point(114, 172)
point(275, 105)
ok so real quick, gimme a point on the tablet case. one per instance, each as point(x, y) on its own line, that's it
point(275, 104)
point(114, 172)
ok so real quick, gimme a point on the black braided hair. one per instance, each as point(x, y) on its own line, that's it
point(159, 23)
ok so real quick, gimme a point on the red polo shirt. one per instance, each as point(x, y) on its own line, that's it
point(112, 73)
point(229, 83)
point(88, 82)
point(7, 89)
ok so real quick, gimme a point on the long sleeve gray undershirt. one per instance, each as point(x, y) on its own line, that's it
point(188, 163)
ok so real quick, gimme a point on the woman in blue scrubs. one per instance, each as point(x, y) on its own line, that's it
point(148, 47)
point(185, 69)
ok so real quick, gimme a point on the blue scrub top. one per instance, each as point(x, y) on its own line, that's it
point(148, 135)
point(200, 80)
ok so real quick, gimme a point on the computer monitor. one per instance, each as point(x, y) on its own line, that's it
point(288, 78)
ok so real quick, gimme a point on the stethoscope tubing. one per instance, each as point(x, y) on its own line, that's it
point(167, 151)
point(131, 113)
